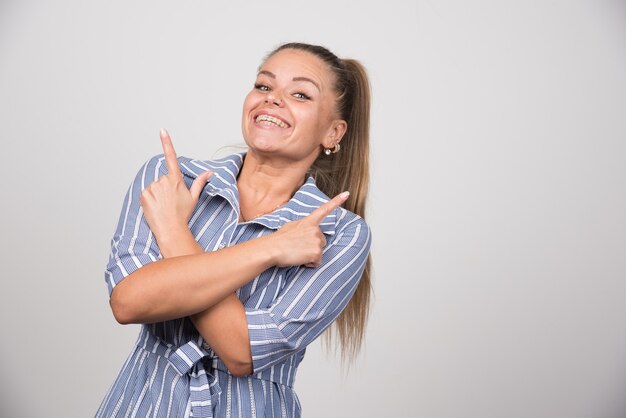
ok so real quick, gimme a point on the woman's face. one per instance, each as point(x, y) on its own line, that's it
point(291, 109)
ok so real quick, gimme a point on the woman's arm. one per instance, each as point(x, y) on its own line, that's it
point(159, 290)
point(184, 285)
point(223, 326)
point(203, 283)
point(181, 286)
point(312, 298)
point(189, 282)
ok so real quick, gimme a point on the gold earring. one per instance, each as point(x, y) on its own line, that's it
point(335, 149)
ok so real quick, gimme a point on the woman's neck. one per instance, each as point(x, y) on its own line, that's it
point(263, 185)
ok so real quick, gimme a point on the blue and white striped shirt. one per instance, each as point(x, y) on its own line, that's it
point(172, 371)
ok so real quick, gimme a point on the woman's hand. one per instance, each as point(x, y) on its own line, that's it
point(167, 203)
point(302, 242)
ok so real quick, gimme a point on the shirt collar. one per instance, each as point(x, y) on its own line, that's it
point(223, 182)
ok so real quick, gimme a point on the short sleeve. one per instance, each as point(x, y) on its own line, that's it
point(133, 244)
point(311, 300)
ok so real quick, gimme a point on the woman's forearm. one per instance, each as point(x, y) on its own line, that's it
point(185, 285)
point(224, 325)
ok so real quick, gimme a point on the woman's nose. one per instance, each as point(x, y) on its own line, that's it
point(274, 97)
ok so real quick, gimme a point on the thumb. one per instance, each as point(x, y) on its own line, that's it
point(199, 183)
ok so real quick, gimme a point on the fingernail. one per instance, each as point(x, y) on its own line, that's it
point(345, 195)
point(208, 173)
point(164, 132)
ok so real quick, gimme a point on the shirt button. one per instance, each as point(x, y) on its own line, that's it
point(222, 245)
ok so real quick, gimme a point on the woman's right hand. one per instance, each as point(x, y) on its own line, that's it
point(167, 204)
point(302, 242)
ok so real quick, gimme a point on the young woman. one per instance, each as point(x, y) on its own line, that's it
point(234, 266)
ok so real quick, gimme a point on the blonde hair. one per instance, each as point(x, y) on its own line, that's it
point(347, 169)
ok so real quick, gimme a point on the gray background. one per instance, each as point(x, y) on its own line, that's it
point(498, 198)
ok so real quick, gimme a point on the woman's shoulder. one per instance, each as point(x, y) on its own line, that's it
point(346, 219)
point(341, 217)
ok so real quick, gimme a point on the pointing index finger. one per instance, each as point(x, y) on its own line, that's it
point(318, 215)
point(170, 155)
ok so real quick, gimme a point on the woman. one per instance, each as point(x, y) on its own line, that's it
point(234, 266)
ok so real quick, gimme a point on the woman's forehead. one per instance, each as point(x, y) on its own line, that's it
point(292, 63)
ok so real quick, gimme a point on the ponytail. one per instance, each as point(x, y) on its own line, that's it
point(350, 171)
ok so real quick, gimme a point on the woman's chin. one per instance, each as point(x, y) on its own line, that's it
point(264, 145)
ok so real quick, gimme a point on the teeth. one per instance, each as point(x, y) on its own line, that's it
point(271, 119)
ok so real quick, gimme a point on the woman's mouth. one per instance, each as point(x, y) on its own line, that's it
point(268, 120)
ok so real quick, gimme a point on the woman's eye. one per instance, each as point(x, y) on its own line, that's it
point(301, 96)
point(261, 87)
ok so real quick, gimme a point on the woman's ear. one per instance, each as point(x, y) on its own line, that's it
point(337, 129)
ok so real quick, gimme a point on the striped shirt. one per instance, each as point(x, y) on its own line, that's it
point(172, 371)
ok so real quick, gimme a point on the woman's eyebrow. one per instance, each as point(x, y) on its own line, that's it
point(306, 79)
point(272, 75)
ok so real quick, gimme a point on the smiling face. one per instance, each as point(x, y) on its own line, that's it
point(291, 111)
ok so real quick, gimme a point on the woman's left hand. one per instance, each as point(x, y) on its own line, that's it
point(167, 203)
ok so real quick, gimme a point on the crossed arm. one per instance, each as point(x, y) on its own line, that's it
point(223, 326)
point(180, 284)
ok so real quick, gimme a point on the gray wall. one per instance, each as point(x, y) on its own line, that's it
point(498, 199)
